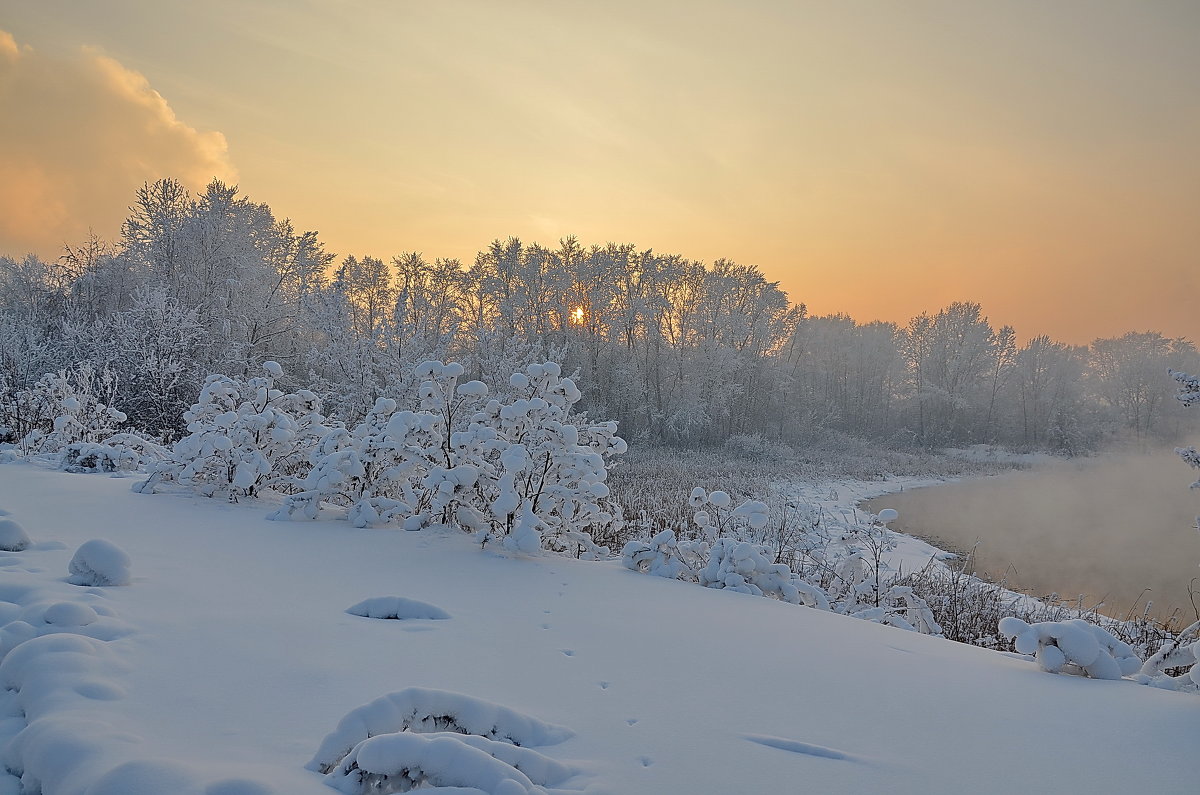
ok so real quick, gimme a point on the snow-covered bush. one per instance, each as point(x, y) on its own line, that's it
point(13, 537)
point(374, 469)
point(848, 559)
point(418, 738)
point(63, 408)
point(546, 466)
point(99, 563)
point(1074, 644)
point(743, 567)
point(243, 436)
point(524, 472)
point(91, 457)
point(1181, 652)
point(865, 586)
point(666, 556)
point(404, 761)
point(716, 519)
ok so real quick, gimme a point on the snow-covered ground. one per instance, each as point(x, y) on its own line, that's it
point(228, 659)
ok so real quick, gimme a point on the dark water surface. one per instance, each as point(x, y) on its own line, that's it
point(1106, 528)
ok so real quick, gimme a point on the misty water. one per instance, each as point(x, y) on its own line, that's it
point(1106, 528)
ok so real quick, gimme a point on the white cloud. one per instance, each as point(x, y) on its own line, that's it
point(82, 133)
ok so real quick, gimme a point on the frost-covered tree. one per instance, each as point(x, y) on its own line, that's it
point(1125, 374)
point(155, 350)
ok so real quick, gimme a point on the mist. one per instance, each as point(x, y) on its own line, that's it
point(1107, 527)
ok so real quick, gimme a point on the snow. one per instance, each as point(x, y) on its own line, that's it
point(224, 665)
point(397, 607)
point(99, 562)
point(13, 537)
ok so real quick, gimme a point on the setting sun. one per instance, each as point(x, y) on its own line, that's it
point(577, 316)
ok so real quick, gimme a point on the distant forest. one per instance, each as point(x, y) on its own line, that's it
point(675, 350)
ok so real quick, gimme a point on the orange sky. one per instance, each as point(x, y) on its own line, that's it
point(877, 158)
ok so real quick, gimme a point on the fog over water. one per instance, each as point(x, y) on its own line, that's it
point(1107, 527)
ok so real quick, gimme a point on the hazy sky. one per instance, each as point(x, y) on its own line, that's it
point(876, 158)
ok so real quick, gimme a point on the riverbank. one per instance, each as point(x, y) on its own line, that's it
point(1114, 531)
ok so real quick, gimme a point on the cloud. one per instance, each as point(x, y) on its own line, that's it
point(9, 51)
point(81, 134)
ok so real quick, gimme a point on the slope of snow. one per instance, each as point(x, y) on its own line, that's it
point(230, 657)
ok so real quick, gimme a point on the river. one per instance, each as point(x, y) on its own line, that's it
point(1106, 527)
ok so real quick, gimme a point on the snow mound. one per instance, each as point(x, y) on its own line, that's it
point(13, 537)
point(425, 711)
point(396, 607)
point(99, 562)
point(69, 614)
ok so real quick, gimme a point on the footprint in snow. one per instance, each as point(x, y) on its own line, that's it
point(568, 652)
point(646, 761)
point(631, 721)
point(603, 685)
point(545, 626)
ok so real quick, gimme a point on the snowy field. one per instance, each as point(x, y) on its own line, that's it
point(230, 657)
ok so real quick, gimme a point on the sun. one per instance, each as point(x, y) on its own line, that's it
point(577, 316)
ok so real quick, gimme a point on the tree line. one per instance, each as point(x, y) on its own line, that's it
point(677, 351)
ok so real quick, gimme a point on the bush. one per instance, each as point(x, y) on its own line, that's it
point(244, 436)
point(526, 472)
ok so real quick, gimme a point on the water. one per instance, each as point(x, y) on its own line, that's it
point(1105, 528)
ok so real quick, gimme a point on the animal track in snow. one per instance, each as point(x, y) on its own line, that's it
point(568, 652)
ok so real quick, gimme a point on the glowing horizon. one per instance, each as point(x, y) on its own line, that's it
point(876, 159)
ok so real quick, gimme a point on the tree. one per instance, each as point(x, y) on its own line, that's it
point(1126, 375)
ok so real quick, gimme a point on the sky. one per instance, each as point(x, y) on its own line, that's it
point(879, 159)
